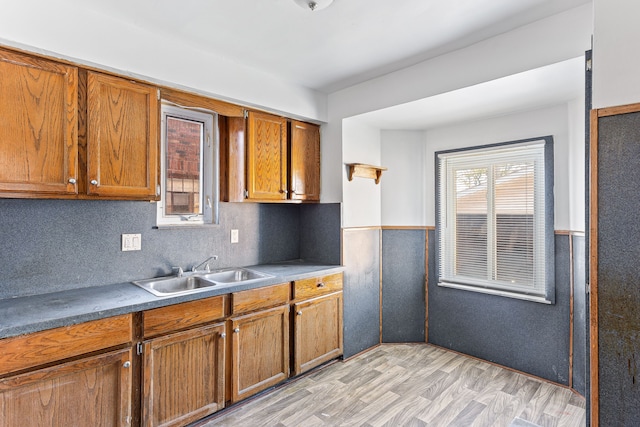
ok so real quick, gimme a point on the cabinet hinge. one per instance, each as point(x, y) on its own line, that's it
point(139, 348)
point(158, 94)
point(246, 194)
point(246, 114)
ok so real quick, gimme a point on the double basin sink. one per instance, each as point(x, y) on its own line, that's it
point(199, 281)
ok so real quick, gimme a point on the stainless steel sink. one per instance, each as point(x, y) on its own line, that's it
point(172, 285)
point(196, 282)
point(232, 275)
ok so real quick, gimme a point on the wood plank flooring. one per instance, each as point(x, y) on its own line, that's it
point(410, 385)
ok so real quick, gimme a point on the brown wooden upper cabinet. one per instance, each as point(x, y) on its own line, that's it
point(122, 137)
point(266, 157)
point(38, 126)
point(276, 162)
point(304, 167)
point(70, 133)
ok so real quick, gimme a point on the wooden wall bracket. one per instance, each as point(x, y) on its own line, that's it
point(365, 171)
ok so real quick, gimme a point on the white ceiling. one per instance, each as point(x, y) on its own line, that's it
point(349, 42)
point(542, 87)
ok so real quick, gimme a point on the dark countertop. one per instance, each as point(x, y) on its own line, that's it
point(35, 313)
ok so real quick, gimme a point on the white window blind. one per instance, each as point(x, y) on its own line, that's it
point(491, 219)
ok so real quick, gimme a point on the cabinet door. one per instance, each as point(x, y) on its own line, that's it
point(183, 376)
point(260, 353)
point(38, 126)
point(267, 157)
point(305, 161)
point(122, 138)
point(94, 391)
point(317, 331)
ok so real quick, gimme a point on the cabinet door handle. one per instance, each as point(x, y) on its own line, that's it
point(223, 335)
point(126, 364)
point(94, 182)
point(300, 313)
point(321, 285)
point(236, 330)
point(72, 180)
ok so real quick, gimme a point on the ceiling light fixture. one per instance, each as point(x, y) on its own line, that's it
point(313, 4)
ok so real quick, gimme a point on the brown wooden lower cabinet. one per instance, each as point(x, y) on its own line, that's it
point(187, 368)
point(183, 378)
point(91, 391)
point(260, 351)
point(317, 329)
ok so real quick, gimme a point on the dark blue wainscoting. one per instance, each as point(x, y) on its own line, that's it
point(403, 285)
point(527, 336)
point(361, 258)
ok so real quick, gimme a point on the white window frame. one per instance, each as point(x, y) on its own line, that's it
point(540, 152)
point(209, 182)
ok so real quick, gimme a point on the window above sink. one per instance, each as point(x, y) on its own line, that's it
point(189, 167)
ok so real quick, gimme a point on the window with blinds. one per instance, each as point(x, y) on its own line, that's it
point(493, 219)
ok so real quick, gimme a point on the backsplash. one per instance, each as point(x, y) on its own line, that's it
point(53, 245)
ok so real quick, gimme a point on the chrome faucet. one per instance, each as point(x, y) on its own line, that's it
point(204, 265)
point(180, 272)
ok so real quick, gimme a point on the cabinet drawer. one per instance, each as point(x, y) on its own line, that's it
point(309, 288)
point(255, 299)
point(184, 315)
point(26, 351)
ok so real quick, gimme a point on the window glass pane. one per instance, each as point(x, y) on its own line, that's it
point(494, 222)
point(183, 167)
point(514, 202)
point(471, 223)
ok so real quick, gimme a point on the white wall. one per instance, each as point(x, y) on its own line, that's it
point(576, 164)
point(67, 29)
point(615, 52)
point(560, 37)
point(549, 121)
point(362, 145)
point(403, 185)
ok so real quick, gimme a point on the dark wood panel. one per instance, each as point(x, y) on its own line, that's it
point(232, 158)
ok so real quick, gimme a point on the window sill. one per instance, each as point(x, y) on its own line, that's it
point(488, 291)
point(183, 226)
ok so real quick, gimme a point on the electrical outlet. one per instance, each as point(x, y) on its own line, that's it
point(235, 236)
point(131, 242)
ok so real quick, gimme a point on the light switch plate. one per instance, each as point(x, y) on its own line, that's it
point(235, 236)
point(131, 242)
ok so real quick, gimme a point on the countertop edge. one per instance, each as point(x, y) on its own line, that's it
point(94, 303)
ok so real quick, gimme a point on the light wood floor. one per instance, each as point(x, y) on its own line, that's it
point(410, 385)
